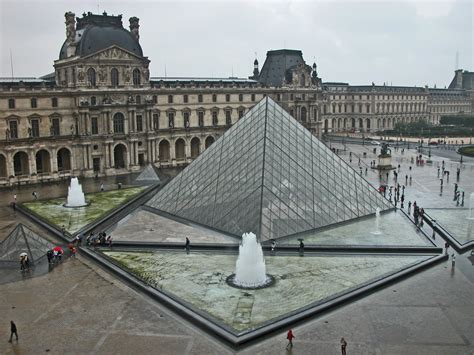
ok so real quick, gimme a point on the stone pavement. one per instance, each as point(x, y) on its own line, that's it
point(78, 307)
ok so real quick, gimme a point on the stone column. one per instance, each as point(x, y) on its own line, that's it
point(32, 161)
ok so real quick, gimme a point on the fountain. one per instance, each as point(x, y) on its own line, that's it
point(75, 195)
point(250, 270)
point(471, 206)
point(377, 222)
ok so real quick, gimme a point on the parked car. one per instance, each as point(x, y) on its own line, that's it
point(433, 143)
point(374, 142)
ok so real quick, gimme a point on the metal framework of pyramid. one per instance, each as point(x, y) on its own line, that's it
point(148, 174)
point(268, 175)
point(22, 239)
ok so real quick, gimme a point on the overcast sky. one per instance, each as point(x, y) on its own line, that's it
point(409, 42)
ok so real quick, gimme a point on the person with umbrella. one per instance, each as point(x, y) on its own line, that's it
point(58, 253)
point(23, 261)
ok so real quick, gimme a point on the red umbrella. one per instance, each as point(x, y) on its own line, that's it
point(58, 249)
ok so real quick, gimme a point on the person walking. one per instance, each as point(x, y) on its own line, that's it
point(446, 247)
point(343, 346)
point(102, 189)
point(13, 330)
point(290, 336)
point(187, 245)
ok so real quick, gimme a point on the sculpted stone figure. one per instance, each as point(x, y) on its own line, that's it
point(80, 73)
point(70, 27)
point(127, 73)
point(102, 74)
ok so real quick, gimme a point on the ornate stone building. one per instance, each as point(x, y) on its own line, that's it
point(100, 112)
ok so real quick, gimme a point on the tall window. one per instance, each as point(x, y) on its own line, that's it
point(94, 126)
point(227, 97)
point(138, 100)
point(11, 103)
point(185, 99)
point(228, 117)
point(119, 123)
point(214, 118)
point(136, 77)
point(278, 97)
point(241, 97)
point(201, 118)
point(13, 129)
point(34, 103)
point(93, 101)
point(156, 121)
point(54, 102)
point(241, 113)
point(214, 97)
point(114, 77)
point(91, 76)
point(171, 119)
point(139, 123)
point(368, 108)
point(170, 99)
point(186, 119)
point(155, 99)
point(55, 128)
point(200, 98)
point(253, 97)
point(35, 128)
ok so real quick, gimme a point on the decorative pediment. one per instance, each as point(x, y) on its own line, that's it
point(114, 52)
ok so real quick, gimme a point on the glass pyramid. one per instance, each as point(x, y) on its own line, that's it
point(268, 175)
point(22, 239)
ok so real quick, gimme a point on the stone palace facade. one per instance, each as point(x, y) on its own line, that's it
point(100, 113)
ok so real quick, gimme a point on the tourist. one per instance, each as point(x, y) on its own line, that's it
point(273, 245)
point(365, 171)
point(343, 346)
point(13, 330)
point(438, 171)
point(49, 255)
point(301, 249)
point(186, 245)
point(453, 260)
point(290, 336)
point(409, 207)
point(102, 189)
point(446, 247)
point(119, 185)
point(35, 195)
point(109, 240)
point(458, 173)
point(14, 198)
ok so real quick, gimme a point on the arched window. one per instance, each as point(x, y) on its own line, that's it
point(136, 77)
point(303, 114)
point(118, 123)
point(114, 77)
point(91, 76)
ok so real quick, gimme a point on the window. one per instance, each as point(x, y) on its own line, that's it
point(35, 128)
point(227, 97)
point(138, 100)
point(186, 119)
point(118, 123)
point(252, 97)
point(171, 119)
point(325, 109)
point(55, 129)
point(13, 129)
point(214, 97)
point(34, 103)
point(360, 108)
point(94, 126)
point(291, 97)
point(156, 121)
point(291, 112)
point(54, 102)
point(201, 118)
point(185, 99)
point(200, 98)
point(91, 77)
point(139, 120)
point(241, 113)
point(333, 108)
point(114, 77)
point(155, 99)
point(93, 101)
point(11, 103)
point(170, 99)
point(215, 120)
point(136, 77)
point(368, 108)
point(304, 96)
point(241, 97)
point(278, 97)
point(228, 117)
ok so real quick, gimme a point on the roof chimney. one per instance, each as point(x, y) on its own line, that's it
point(134, 26)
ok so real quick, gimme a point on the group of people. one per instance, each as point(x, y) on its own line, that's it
point(100, 239)
point(290, 336)
point(54, 256)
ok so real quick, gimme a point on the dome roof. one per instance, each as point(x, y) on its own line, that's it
point(100, 32)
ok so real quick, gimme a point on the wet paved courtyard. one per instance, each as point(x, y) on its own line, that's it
point(78, 307)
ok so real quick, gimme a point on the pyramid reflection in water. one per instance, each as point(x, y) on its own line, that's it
point(268, 175)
